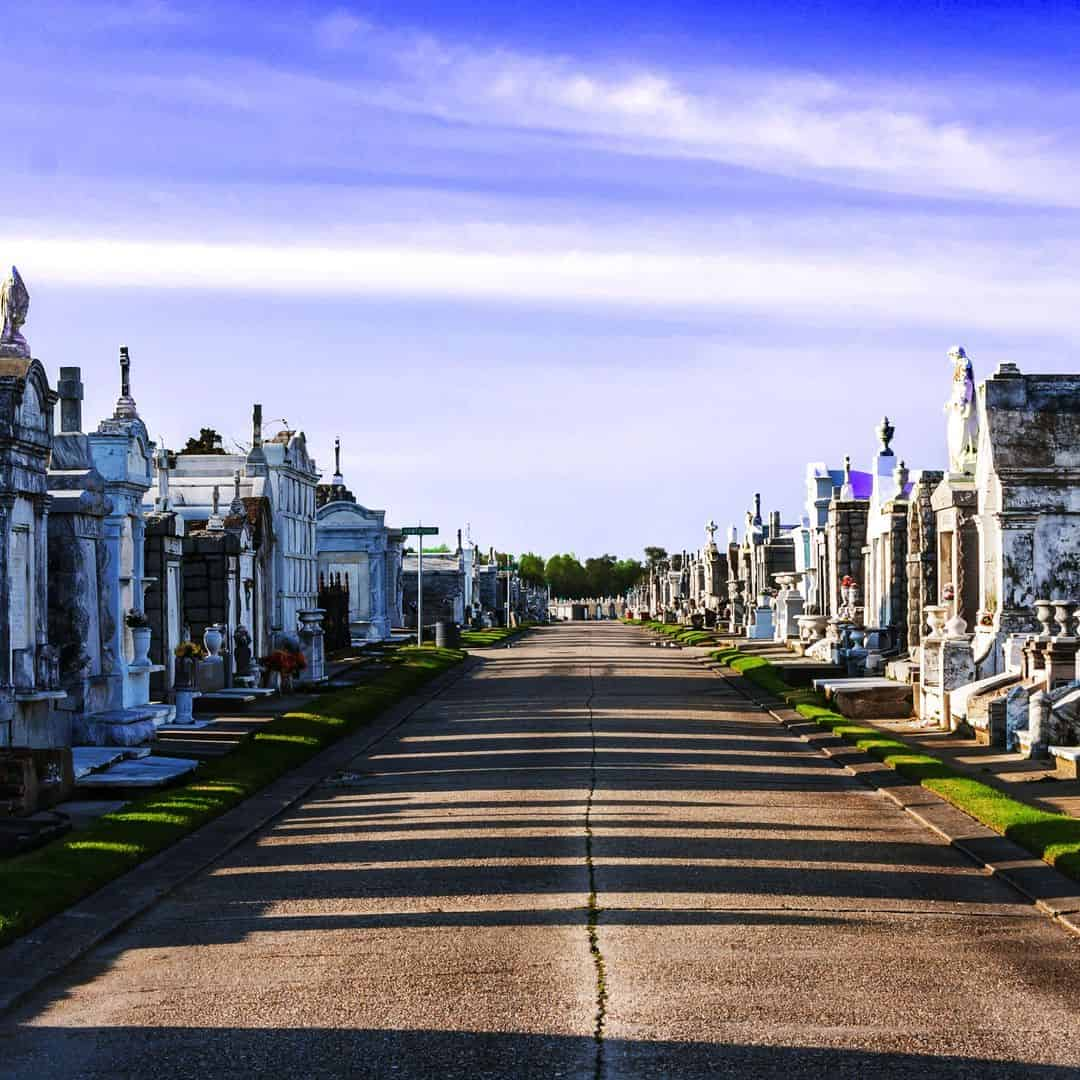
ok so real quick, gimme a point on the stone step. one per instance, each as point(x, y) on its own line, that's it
point(146, 772)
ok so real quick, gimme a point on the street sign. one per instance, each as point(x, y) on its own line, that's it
point(420, 530)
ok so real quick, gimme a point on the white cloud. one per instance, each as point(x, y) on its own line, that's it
point(824, 290)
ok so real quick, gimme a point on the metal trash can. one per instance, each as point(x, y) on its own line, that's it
point(446, 635)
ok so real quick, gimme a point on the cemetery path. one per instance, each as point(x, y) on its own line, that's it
point(757, 911)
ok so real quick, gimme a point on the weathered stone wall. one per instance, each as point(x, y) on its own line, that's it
point(846, 531)
point(921, 557)
point(206, 579)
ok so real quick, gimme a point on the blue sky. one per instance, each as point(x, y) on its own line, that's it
point(583, 276)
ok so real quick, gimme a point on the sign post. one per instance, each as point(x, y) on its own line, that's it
point(420, 531)
point(511, 566)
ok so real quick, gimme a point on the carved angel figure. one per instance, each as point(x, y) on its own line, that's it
point(14, 305)
point(963, 418)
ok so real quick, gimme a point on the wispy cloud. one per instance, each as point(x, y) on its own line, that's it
point(803, 285)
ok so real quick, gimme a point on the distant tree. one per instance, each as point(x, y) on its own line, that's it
point(208, 442)
point(531, 568)
point(626, 573)
point(600, 572)
point(655, 555)
point(566, 576)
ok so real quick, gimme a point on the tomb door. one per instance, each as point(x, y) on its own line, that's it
point(172, 615)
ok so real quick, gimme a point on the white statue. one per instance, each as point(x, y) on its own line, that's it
point(14, 304)
point(963, 422)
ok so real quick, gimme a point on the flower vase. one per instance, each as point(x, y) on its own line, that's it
point(140, 642)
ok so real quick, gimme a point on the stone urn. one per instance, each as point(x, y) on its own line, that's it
point(212, 642)
point(811, 628)
point(140, 644)
point(1064, 616)
point(1044, 612)
point(956, 626)
point(935, 618)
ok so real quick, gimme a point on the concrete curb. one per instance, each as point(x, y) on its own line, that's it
point(1050, 891)
point(58, 942)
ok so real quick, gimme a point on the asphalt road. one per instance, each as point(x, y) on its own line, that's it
point(757, 911)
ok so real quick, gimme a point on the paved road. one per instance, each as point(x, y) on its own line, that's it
point(757, 911)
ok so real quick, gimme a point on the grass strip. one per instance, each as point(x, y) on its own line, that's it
point(44, 882)
point(1051, 836)
point(494, 635)
point(678, 632)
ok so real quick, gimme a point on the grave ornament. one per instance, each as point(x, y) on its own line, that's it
point(14, 305)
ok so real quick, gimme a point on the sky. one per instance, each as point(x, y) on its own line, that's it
point(579, 276)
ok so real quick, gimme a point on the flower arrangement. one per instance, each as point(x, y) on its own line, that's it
point(189, 650)
point(986, 619)
point(949, 592)
point(136, 620)
point(285, 662)
point(848, 582)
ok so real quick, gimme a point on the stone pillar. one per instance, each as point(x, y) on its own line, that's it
point(313, 645)
point(7, 682)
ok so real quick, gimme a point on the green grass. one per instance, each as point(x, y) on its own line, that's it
point(678, 632)
point(43, 882)
point(479, 639)
point(1050, 836)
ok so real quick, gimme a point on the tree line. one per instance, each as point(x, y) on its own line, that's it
point(570, 579)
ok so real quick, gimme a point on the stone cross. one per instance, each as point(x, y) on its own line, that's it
point(338, 478)
point(216, 523)
point(161, 460)
point(236, 507)
point(125, 405)
point(70, 389)
point(711, 528)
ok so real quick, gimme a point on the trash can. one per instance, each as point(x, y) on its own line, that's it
point(446, 635)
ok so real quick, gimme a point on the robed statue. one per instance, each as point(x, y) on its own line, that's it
point(14, 305)
point(962, 413)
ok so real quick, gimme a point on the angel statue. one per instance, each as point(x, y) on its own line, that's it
point(14, 304)
point(962, 413)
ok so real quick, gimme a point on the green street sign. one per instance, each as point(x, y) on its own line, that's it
point(420, 530)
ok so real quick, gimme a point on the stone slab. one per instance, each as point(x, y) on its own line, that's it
point(121, 727)
point(148, 772)
point(90, 759)
point(881, 702)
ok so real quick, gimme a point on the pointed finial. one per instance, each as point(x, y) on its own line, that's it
point(885, 432)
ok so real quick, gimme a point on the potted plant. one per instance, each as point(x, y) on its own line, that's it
point(139, 625)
